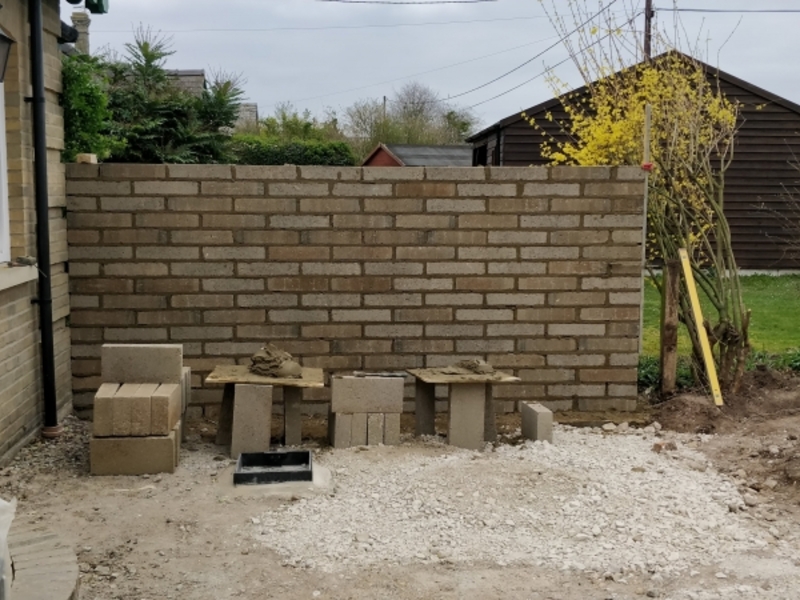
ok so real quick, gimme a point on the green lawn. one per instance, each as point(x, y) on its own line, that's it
point(775, 321)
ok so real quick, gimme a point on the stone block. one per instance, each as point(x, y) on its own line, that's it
point(465, 427)
point(391, 429)
point(252, 419)
point(103, 425)
point(122, 408)
point(133, 455)
point(141, 409)
point(374, 429)
point(166, 408)
point(358, 429)
point(537, 422)
point(367, 394)
point(340, 428)
point(142, 363)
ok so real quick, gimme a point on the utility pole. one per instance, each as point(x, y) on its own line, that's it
point(649, 13)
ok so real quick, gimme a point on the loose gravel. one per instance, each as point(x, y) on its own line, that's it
point(602, 502)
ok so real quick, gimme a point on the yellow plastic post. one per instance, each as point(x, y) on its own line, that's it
point(697, 312)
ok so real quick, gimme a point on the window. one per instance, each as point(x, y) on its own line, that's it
point(5, 225)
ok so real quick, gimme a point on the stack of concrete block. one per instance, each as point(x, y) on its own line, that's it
point(537, 422)
point(365, 411)
point(138, 410)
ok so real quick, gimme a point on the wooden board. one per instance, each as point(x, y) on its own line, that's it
point(436, 376)
point(312, 378)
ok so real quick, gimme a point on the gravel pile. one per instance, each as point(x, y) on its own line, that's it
point(600, 502)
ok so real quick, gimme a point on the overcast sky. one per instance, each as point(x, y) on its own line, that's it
point(328, 54)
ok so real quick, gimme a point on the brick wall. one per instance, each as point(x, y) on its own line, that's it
point(20, 378)
point(535, 269)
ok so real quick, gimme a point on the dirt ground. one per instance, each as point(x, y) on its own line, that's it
point(182, 536)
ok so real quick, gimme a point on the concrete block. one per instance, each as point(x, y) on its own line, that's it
point(374, 429)
point(103, 419)
point(176, 434)
point(292, 416)
point(166, 407)
point(142, 363)
point(141, 405)
point(537, 422)
point(391, 429)
point(465, 419)
point(122, 408)
point(340, 426)
point(367, 394)
point(133, 455)
point(252, 419)
point(186, 388)
point(358, 430)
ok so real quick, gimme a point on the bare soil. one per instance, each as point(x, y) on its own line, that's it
point(179, 536)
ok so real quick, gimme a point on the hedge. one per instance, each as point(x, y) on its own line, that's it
point(255, 150)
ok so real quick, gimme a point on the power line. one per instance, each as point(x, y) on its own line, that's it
point(463, 62)
point(540, 54)
point(731, 10)
point(331, 27)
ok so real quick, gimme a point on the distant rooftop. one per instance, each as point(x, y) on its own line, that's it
point(428, 156)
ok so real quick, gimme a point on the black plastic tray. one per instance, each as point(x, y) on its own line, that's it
point(256, 468)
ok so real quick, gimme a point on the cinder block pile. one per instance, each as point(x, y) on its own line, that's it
point(365, 411)
point(138, 410)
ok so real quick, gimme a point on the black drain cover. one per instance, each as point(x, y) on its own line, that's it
point(255, 468)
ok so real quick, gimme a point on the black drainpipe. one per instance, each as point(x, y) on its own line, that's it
point(45, 300)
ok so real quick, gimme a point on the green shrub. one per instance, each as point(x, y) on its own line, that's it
point(649, 373)
point(256, 150)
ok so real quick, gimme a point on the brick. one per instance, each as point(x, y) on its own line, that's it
point(426, 221)
point(330, 205)
point(141, 409)
point(362, 253)
point(572, 173)
point(575, 391)
point(167, 253)
point(394, 238)
point(162, 317)
point(518, 173)
point(514, 330)
point(393, 205)
point(265, 205)
point(487, 189)
point(537, 422)
point(634, 298)
point(633, 188)
point(299, 189)
point(550, 221)
point(335, 173)
point(331, 238)
point(200, 172)
point(624, 360)
point(393, 173)
point(547, 375)
point(402, 283)
point(196, 269)
point(575, 329)
point(104, 253)
point(362, 221)
point(367, 394)
point(393, 300)
point(466, 415)
point(136, 334)
point(545, 345)
point(135, 301)
point(549, 253)
point(578, 238)
point(426, 189)
point(484, 346)
point(576, 298)
point(606, 404)
point(362, 190)
point(457, 238)
point(232, 348)
point(222, 205)
point(299, 316)
point(611, 283)
point(393, 331)
point(98, 188)
point(149, 269)
point(575, 360)
point(103, 424)
point(358, 429)
point(455, 268)
point(266, 172)
point(272, 300)
point(608, 375)
point(628, 205)
point(391, 429)
point(202, 301)
point(133, 456)
point(455, 173)
point(617, 313)
point(484, 253)
point(518, 300)
point(484, 283)
point(340, 428)
point(488, 222)
point(612, 252)
point(142, 363)
point(121, 409)
point(266, 332)
point(201, 333)
point(577, 268)
point(252, 419)
point(459, 205)
point(457, 299)
point(99, 220)
point(232, 188)
point(267, 269)
point(234, 316)
point(361, 284)
point(127, 204)
point(79, 238)
point(423, 346)
point(135, 236)
point(166, 408)
point(235, 253)
point(166, 188)
point(323, 268)
point(514, 268)
point(521, 238)
point(331, 300)
point(393, 268)
point(331, 331)
point(239, 221)
point(361, 346)
point(357, 315)
point(94, 317)
point(580, 205)
point(298, 222)
point(425, 253)
point(206, 237)
point(233, 285)
point(477, 314)
point(298, 284)
point(615, 222)
point(519, 206)
point(549, 190)
point(375, 429)
point(622, 390)
point(548, 283)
